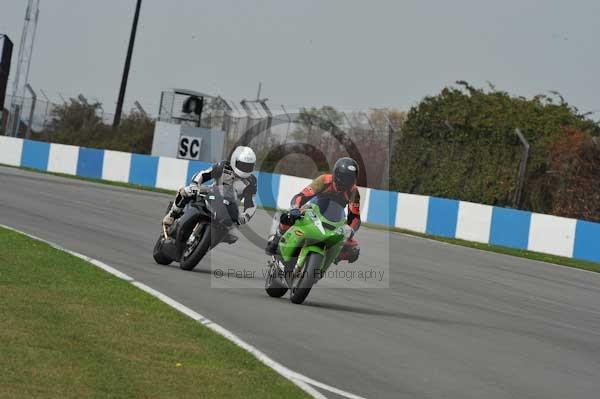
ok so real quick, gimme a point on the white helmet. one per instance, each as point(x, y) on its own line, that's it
point(243, 160)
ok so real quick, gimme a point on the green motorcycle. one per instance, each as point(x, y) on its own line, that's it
point(308, 249)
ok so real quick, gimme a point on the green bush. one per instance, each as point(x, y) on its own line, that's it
point(462, 144)
point(78, 123)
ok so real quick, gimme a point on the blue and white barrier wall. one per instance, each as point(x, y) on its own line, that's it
point(436, 216)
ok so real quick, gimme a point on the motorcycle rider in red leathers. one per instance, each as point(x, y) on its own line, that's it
point(339, 186)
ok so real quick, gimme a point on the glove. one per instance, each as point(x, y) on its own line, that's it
point(295, 214)
point(242, 220)
point(189, 191)
point(290, 217)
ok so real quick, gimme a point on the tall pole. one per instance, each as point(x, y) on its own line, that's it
point(24, 63)
point(119, 110)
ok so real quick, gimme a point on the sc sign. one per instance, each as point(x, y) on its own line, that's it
point(189, 147)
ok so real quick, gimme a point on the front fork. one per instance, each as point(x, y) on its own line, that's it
point(194, 235)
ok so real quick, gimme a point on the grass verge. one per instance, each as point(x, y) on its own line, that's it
point(70, 330)
point(559, 260)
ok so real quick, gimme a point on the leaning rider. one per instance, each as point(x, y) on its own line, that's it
point(339, 186)
point(236, 173)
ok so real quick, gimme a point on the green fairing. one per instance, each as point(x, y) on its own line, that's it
point(305, 237)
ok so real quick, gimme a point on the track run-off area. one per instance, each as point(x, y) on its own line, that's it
point(454, 322)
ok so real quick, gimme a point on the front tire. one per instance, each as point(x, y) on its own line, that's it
point(157, 254)
point(188, 262)
point(309, 277)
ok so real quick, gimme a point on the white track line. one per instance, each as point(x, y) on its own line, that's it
point(303, 382)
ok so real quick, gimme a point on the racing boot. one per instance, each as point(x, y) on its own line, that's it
point(184, 196)
point(230, 238)
point(171, 216)
point(350, 252)
point(286, 220)
point(272, 244)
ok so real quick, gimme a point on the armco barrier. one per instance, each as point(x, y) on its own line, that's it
point(436, 216)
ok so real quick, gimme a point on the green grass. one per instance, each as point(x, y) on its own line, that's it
point(71, 330)
point(559, 260)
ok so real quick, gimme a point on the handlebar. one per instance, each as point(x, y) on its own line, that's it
point(290, 217)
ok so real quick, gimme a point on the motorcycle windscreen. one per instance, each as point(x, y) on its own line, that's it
point(331, 210)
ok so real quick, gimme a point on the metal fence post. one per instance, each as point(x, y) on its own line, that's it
point(45, 120)
point(522, 169)
point(15, 121)
point(287, 132)
point(31, 111)
point(391, 149)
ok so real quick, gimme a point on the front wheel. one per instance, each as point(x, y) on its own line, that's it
point(309, 277)
point(194, 251)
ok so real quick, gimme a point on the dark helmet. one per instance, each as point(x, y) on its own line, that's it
point(345, 173)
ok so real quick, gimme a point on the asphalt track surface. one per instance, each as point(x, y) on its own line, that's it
point(454, 323)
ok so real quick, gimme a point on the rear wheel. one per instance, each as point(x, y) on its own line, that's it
point(309, 276)
point(274, 286)
point(194, 251)
point(157, 254)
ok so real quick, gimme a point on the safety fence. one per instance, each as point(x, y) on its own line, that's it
point(423, 214)
point(38, 113)
point(264, 127)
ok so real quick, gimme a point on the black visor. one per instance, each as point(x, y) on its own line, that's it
point(345, 180)
point(245, 166)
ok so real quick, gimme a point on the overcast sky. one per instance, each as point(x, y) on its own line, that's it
point(350, 54)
